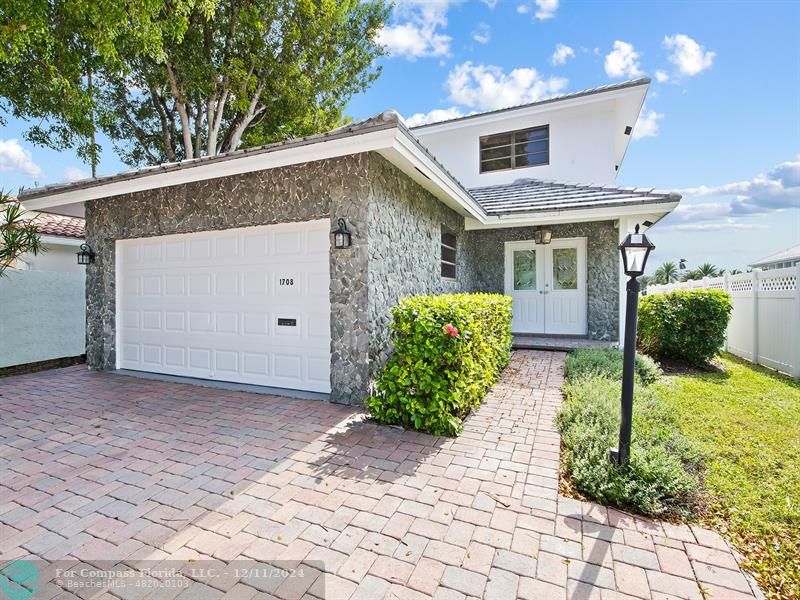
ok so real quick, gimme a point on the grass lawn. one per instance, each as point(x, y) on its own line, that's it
point(747, 422)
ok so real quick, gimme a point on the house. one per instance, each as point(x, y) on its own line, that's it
point(779, 260)
point(224, 267)
point(61, 237)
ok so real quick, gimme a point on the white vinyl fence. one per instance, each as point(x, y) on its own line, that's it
point(765, 324)
point(42, 316)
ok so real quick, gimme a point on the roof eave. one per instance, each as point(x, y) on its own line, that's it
point(594, 95)
point(577, 215)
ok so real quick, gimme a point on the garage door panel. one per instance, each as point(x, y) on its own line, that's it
point(208, 305)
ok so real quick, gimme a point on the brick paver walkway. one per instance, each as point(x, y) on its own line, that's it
point(101, 470)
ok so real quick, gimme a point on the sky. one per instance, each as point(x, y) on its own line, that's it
point(721, 123)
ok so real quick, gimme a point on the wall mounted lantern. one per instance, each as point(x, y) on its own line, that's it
point(86, 255)
point(341, 236)
point(635, 250)
point(543, 235)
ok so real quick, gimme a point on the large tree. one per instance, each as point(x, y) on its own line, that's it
point(185, 78)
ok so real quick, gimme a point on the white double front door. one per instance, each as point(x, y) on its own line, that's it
point(548, 285)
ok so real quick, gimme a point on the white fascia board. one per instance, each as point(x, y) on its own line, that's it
point(443, 185)
point(366, 142)
point(57, 240)
point(524, 111)
point(556, 217)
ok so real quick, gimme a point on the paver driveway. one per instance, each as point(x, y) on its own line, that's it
point(100, 469)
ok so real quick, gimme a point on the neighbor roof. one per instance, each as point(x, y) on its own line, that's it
point(789, 254)
point(570, 96)
point(59, 225)
point(531, 195)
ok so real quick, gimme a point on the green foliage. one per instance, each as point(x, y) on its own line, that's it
point(747, 420)
point(666, 273)
point(661, 477)
point(704, 270)
point(186, 78)
point(448, 350)
point(18, 233)
point(684, 325)
point(606, 361)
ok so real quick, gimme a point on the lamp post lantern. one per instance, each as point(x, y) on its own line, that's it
point(635, 250)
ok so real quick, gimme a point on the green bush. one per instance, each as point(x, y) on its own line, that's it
point(661, 478)
point(685, 325)
point(448, 351)
point(608, 362)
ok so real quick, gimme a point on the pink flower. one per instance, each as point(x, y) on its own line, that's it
point(450, 330)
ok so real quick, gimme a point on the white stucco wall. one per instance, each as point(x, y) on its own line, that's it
point(582, 145)
point(42, 316)
point(58, 257)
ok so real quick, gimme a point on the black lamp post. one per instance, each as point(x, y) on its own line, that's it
point(635, 250)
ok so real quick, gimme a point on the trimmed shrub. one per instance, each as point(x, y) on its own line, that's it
point(608, 362)
point(662, 477)
point(448, 351)
point(685, 325)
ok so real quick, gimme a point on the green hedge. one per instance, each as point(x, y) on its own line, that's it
point(662, 478)
point(448, 351)
point(685, 325)
point(608, 362)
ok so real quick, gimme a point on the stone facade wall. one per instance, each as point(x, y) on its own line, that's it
point(405, 223)
point(396, 231)
point(334, 188)
point(486, 248)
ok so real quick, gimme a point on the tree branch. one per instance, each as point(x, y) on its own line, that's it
point(180, 106)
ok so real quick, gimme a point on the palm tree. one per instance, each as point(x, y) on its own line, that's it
point(666, 273)
point(18, 232)
point(708, 270)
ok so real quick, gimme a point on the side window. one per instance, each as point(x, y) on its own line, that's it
point(515, 149)
point(448, 254)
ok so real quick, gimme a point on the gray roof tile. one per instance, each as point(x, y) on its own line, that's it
point(534, 195)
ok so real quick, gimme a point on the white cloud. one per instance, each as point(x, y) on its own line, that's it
point(415, 33)
point(482, 34)
point(729, 225)
point(776, 190)
point(546, 9)
point(490, 3)
point(14, 157)
point(662, 76)
point(434, 116)
point(647, 125)
point(75, 174)
point(487, 87)
point(561, 54)
point(623, 61)
point(687, 55)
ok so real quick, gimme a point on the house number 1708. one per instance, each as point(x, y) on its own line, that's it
point(287, 281)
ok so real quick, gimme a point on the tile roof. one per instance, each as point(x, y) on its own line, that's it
point(532, 195)
point(59, 225)
point(611, 87)
point(791, 253)
point(383, 120)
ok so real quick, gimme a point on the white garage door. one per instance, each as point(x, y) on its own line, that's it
point(247, 305)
